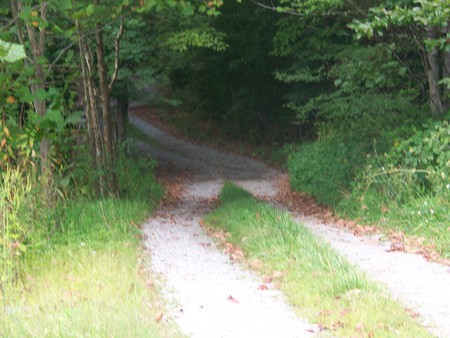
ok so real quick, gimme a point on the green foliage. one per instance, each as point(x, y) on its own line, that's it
point(207, 38)
point(319, 283)
point(408, 188)
point(11, 52)
point(326, 168)
point(422, 13)
point(428, 153)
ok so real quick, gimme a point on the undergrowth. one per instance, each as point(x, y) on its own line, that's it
point(405, 188)
point(85, 275)
point(320, 284)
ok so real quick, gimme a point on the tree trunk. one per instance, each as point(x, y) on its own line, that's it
point(37, 46)
point(110, 163)
point(92, 114)
point(434, 74)
point(122, 111)
point(446, 72)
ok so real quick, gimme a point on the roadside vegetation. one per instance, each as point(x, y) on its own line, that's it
point(80, 269)
point(319, 283)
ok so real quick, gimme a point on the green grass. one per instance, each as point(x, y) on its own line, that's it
point(89, 279)
point(320, 284)
point(394, 202)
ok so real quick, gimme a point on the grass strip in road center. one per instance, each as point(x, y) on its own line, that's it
point(321, 285)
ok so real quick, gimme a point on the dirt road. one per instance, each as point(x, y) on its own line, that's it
point(211, 297)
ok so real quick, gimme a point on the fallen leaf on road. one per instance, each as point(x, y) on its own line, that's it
point(232, 299)
point(159, 317)
point(267, 279)
point(413, 313)
point(397, 247)
point(237, 255)
point(255, 264)
point(277, 274)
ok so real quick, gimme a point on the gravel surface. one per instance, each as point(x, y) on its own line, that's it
point(422, 286)
point(211, 297)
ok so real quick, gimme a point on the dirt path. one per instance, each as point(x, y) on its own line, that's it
point(213, 298)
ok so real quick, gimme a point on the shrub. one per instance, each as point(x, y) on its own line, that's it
point(428, 153)
point(325, 168)
point(408, 188)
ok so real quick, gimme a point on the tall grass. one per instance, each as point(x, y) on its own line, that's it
point(16, 223)
point(393, 199)
point(319, 283)
point(87, 277)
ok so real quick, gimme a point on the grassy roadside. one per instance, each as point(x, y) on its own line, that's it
point(421, 218)
point(89, 279)
point(321, 285)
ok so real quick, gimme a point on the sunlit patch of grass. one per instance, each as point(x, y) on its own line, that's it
point(321, 285)
point(82, 290)
point(88, 277)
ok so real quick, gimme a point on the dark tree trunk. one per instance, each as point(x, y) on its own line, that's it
point(446, 72)
point(434, 74)
point(110, 163)
point(122, 110)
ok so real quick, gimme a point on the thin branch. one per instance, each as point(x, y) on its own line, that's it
point(273, 8)
point(60, 54)
point(43, 31)
point(117, 56)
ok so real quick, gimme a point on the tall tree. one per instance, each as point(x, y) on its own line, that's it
point(427, 24)
point(34, 22)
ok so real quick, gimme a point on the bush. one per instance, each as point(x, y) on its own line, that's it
point(428, 153)
point(326, 168)
point(408, 188)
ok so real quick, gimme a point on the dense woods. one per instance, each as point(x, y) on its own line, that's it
point(355, 95)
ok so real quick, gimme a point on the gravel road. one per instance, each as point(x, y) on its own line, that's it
point(209, 296)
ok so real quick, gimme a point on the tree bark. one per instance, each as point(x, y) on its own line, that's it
point(37, 46)
point(110, 163)
point(446, 72)
point(91, 112)
point(434, 75)
point(122, 111)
